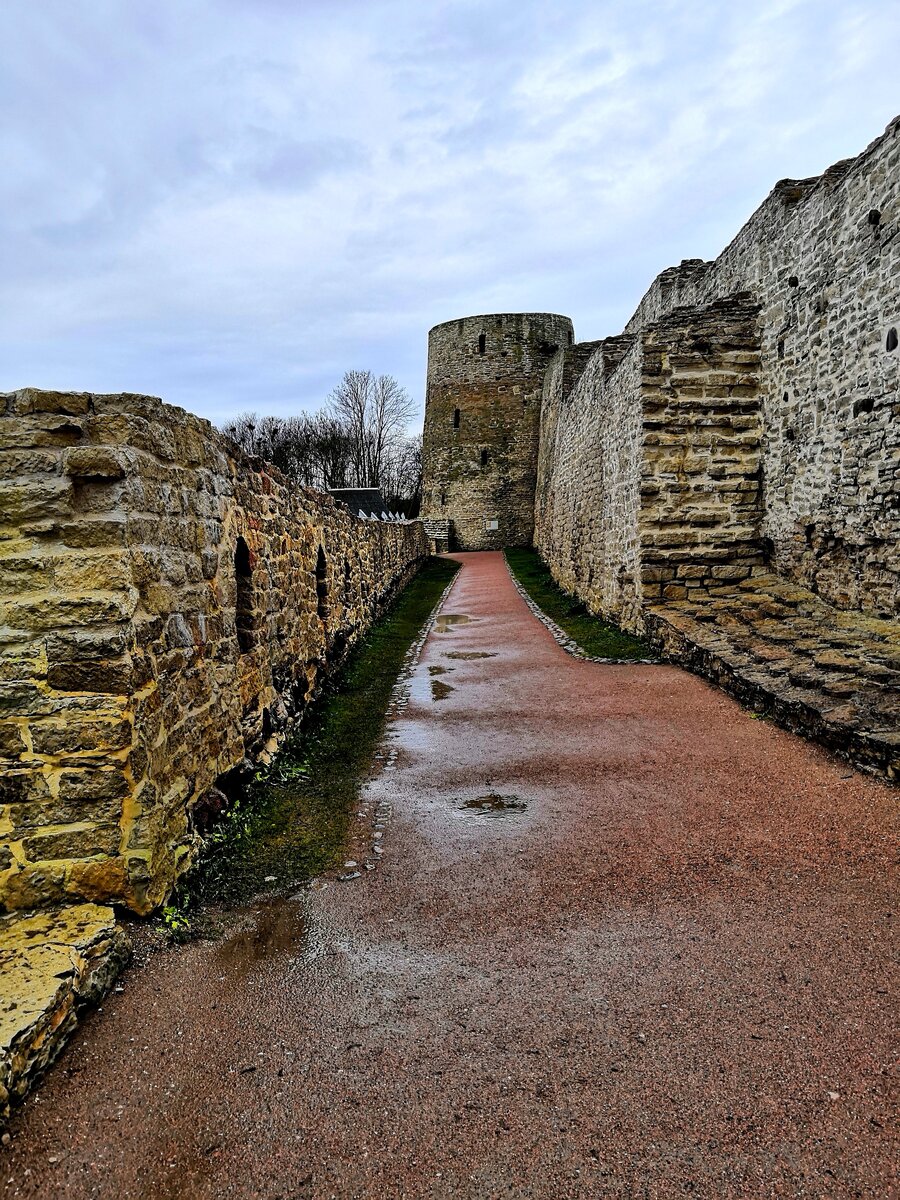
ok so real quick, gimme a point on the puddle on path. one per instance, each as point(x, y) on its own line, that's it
point(492, 805)
point(275, 927)
point(445, 620)
point(440, 690)
point(438, 670)
point(468, 655)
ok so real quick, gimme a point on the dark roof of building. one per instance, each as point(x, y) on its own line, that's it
point(361, 500)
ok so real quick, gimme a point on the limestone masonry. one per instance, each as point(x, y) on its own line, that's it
point(747, 414)
point(724, 476)
point(168, 608)
point(482, 421)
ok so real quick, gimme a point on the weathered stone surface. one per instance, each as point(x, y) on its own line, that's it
point(830, 675)
point(828, 284)
point(482, 418)
point(645, 489)
point(176, 611)
point(747, 419)
point(52, 964)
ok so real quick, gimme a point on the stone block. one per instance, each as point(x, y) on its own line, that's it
point(78, 841)
point(90, 785)
point(12, 740)
point(67, 738)
point(94, 532)
point(49, 612)
point(78, 572)
point(35, 400)
point(33, 885)
point(21, 503)
point(95, 462)
point(93, 675)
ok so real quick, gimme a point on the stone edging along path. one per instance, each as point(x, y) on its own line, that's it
point(562, 638)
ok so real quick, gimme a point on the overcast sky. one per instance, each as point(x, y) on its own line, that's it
point(227, 203)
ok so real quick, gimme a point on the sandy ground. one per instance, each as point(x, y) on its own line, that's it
point(623, 940)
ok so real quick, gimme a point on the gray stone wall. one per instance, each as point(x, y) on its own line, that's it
point(168, 607)
point(482, 420)
point(822, 258)
point(648, 482)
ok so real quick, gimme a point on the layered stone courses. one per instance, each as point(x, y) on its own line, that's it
point(482, 421)
point(821, 256)
point(828, 673)
point(745, 422)
point(662, 432)
point(53, 964)
point(168, 609)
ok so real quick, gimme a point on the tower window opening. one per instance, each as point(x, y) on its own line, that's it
point(243, 608)
point(891, 341)
point(482, 343)
point(456, 418)
point(321, 585)
point(484, 458)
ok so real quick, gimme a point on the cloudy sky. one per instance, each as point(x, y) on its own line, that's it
point(227, 203)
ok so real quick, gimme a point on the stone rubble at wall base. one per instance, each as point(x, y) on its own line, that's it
point(53, 964)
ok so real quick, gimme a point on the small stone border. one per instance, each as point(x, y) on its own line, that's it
point(562, 638)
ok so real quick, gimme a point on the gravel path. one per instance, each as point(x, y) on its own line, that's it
point(623, 940)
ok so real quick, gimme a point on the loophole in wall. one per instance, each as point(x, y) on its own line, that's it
point(321, 584)
point(244, 606)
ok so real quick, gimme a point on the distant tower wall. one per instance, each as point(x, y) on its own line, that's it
point(482, 424)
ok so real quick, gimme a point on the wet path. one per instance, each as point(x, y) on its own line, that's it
point(624, 940)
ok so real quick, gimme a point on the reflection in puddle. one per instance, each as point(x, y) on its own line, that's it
point(440, 690)
point(467, 655)
point(445, 620)
point(273, 927)
point(492, 805)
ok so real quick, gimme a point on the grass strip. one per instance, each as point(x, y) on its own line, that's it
point(596, 637)
point(293, 822)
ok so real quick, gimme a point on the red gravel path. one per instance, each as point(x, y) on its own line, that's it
point(669, 975)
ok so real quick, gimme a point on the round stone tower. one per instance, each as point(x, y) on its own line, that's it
point(482, 423)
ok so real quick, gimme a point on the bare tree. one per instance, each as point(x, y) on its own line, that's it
point(376, 410)
point(401, 476)
point(357, 440)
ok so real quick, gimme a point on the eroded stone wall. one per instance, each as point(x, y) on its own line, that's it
point(649, 479)
point(168, 607)
point(482, 418)
point(821, 260)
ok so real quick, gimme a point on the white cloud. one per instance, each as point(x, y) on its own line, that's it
point(229, 202)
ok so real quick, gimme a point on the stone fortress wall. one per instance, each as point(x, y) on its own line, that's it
point(482, 421)
point(168, 607)
point(649, 477)
point(749, 411)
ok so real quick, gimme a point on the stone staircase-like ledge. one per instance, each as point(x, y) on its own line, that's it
point(829, 674)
